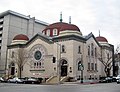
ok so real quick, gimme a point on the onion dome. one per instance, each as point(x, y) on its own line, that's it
point(101, 39)
point(60, 27)
point(21, 37)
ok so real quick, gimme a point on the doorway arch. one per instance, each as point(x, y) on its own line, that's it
point(64, 67)
point(12, 65)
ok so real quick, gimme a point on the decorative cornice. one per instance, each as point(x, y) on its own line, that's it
point(69, 37)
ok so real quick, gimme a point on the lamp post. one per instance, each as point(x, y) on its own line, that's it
point(81, 68)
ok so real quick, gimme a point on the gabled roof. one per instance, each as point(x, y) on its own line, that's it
point(41, 36)
point(89, 36)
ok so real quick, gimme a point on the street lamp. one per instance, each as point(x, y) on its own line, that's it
point(81, 68)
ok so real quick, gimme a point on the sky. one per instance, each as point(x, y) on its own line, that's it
point(88, 15)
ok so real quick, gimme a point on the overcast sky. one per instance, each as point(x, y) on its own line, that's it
point(88, 15)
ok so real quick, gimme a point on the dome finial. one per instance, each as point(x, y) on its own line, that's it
point(69, 19)
point(99, 32)
point(61, 17)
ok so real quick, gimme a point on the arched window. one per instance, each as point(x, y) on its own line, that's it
point(55, 31)
point(64, 62)
point(92, 49)
point(79, 65)
point(63, 48)
point(13, 53)
point(88, 66)
point(88, 50)
point(108, 56)
point(96, 66)
point(12, 66)
point(48, 32)
point(95, 52)
point(43, 32)
point(79, 49)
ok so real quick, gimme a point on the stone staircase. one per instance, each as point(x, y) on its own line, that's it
point(52, 80)
point(56, 80)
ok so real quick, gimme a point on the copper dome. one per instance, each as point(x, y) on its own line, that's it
point(21, 37)
point(101, 39)
point(61, 26)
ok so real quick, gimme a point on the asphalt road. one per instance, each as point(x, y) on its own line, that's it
point(105, 87)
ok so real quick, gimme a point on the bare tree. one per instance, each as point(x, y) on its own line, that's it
point(117, 50)
point(19, 57)
point(107, 62)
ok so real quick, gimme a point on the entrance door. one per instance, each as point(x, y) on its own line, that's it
point(64, 67)
point(63, 70)
point(12, 68)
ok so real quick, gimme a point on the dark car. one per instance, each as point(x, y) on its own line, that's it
point(109, 79)
point(105, 79)
point(113, 79)
point(31, 80)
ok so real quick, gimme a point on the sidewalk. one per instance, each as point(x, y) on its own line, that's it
point(84, 83)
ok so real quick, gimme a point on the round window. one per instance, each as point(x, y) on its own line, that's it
point(37, 55)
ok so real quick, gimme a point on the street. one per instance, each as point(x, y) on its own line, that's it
point(103, 87)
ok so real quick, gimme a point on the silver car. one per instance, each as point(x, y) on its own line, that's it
point(15, 80)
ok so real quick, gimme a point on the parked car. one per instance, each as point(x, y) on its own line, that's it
point(108, 79)
point(118, 81)
point(114, 79)
point(32, 80)
point(118, 77)
point(15, 80)
point(105, 79)
point(1, 79)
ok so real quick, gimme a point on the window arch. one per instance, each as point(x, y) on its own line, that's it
point(79, 63)
point(88, 50)
point(55, 31)
point(48, 32)
point(95, 52)
point(63, 50)
point(79, 49)
point(12, 64)
point(13, 54)
point(92, 49)
point(43, 32)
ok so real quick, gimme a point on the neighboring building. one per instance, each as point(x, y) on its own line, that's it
point(11, 24)
point(117, 64)
point(61, 50)
point(107, 55)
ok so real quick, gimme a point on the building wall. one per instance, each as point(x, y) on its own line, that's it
point(71, 55)
point(92, 73)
